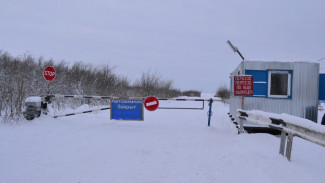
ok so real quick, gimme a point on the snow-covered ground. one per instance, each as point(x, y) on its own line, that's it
point(168, 146)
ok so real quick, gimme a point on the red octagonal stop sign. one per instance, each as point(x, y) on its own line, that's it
point(151, 103)
point(49, 73)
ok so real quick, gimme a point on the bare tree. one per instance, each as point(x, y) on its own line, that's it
point(147, 84)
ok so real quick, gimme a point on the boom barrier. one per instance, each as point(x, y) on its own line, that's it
point(48, 97)
point(78, 96)
point(109, 97)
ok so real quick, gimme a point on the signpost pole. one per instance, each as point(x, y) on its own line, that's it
point(241, 123)
point(210, 112)
point(242, 102)
point(48, 88)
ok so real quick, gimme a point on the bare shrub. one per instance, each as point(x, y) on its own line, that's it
point(22, 76)
point(223, 92)
point(192, 93)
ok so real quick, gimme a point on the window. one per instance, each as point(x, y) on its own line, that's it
point(279, 85)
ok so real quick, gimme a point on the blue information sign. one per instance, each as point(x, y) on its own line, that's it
point(127, 109)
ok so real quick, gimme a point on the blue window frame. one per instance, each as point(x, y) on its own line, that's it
point(260, 82)
point(272, 83)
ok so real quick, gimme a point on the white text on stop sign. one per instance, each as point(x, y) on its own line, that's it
point(49, 73)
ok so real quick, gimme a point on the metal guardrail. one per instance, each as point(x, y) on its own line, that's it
point(288, 129)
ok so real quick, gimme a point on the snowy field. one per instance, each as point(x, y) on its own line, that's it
point(168, 146)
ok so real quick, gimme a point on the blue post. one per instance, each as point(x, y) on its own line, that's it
point(210, 112)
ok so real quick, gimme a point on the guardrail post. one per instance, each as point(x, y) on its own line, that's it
point(289, 146)
point(241, 125)
point(283, 142)
point(210, 112)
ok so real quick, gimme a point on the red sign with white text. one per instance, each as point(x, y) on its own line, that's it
point(243, 85)
point(49, 73)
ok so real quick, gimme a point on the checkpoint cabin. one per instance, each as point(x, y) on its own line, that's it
point(279, 87)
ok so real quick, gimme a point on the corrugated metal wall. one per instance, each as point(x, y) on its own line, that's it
point(304, 99)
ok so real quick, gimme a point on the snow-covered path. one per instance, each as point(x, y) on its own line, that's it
point(169, 146)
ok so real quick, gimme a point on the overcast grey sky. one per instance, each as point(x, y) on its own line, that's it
point(182, 40)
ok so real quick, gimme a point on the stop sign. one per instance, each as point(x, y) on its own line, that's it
point(49, 73)
point(151, 103)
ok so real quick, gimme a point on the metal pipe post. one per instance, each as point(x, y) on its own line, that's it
point(242, 102)
point(210, 112)
point(48, 88)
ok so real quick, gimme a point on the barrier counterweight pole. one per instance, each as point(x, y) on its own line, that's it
point(210, 112)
